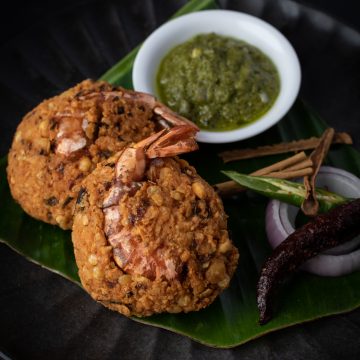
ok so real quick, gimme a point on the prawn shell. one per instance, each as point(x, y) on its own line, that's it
point(57, 144)
point(171, 224)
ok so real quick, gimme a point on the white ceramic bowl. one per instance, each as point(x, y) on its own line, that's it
point(233, 24)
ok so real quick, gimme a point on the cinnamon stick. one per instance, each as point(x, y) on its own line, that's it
point(292, 174)
point(281, 164)
point(228, 188)
point(293, 146)
point(310, 205)
point(300, 165)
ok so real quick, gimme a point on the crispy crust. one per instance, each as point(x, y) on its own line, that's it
point(44, 182)
point(174, 210)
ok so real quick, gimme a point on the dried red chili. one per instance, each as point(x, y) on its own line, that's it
point(323, 232)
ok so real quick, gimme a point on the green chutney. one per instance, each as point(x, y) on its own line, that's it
point(219, 83)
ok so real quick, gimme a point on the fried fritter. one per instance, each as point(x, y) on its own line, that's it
point(60, 142)
point(166, 246)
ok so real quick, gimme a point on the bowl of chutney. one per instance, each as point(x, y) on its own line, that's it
point(231, 73)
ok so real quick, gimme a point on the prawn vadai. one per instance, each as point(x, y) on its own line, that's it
point(60, 142)
point(152, 237)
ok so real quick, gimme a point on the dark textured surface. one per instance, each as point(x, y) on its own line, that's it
point(45, 316)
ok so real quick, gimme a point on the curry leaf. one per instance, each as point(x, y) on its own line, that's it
point(287, 191)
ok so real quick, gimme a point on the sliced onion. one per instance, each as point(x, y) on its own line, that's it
point(333, 265)
point(280, 223)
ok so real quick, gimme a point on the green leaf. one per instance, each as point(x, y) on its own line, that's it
point(287, 191)
point(232, 319)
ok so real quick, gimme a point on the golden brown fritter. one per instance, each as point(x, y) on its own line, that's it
point(60, 142)
point(172, 233)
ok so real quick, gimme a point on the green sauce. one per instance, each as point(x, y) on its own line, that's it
point(218, 82)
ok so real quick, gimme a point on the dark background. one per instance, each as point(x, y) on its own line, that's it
point(45, 316)
point(23, 17)
point(19, 15)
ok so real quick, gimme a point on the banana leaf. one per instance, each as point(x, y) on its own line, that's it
point(233, 318)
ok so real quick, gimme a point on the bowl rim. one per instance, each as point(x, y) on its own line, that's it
point(283, 56)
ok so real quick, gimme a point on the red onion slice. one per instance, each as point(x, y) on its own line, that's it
point(280, 223)
point(333, 265)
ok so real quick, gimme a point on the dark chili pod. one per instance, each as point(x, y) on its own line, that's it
point(323, 232)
